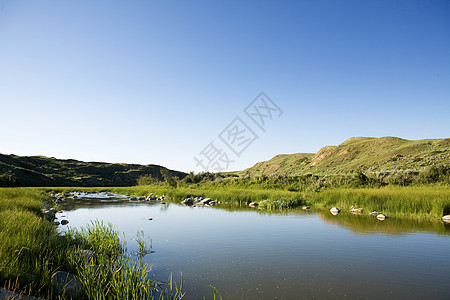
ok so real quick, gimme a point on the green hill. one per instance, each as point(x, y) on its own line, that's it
point(364, 154)
point(43, 171)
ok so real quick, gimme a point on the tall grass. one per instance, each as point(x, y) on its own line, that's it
point(116, 275)
point(420, 201)
point(31, 250)
point(426, 201)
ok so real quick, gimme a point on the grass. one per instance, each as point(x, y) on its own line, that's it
point(31, 251)
point(420, 201)
point(116, 275)
point(416, 201)
point(410, 201)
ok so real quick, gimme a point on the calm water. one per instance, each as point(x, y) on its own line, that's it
point(248, 254)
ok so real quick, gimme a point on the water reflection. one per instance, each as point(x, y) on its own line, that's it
point(366, 224)
point(249, 253)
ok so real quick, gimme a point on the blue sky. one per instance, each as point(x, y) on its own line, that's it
point(154, 82)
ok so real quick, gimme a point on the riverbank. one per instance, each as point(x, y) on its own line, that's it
point(422, 202)
point(32, 252)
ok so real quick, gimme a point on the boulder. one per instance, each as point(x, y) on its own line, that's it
point(381, 217)
point(334, 210)
point(7, 294)
point(188, 201)
point(67, 285)
point(205, 201)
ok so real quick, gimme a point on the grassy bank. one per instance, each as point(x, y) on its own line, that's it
point(31, 250)
point(416, 201)
point(425, 201)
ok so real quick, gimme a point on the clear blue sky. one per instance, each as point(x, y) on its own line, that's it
point(154, 82)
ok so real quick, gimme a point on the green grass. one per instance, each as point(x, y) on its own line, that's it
point(31, 251)
point(416, 201)
point(421, 201)
point(410, 201)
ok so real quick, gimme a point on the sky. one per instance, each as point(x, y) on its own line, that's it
point(179, 83)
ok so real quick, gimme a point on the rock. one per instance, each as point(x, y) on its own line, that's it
point(253, 204)
point(67, 285)
point(188, 201)
point(334, 210)
point(64, 222)
point(446, 218)
point(356, 210)
point(205, 201)
point(88, 255)
point(381, 217)
point(305, 207)
point(7, 294)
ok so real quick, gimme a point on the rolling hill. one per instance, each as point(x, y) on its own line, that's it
point(43, 171)
point(363, 154)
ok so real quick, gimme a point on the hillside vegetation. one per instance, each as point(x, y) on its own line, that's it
point(360, 154)
point(44, 171)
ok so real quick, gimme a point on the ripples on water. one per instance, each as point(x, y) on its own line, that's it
point(248, 254)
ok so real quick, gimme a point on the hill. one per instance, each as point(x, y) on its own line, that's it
point(44, 171)
point(363, 154)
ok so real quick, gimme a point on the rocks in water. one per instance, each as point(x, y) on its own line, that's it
point(334, 210)
point(205, 201)
point(64, 222)
point(446, 218)
point(67, 285)
point(188, 201)
point(49, 213)
point(356, 210)
point(253, 204)
point(381, 217)
point(305, 207)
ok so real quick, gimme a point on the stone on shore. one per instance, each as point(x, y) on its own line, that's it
point(334, 210)
point(381, 217)
point(67, 285)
